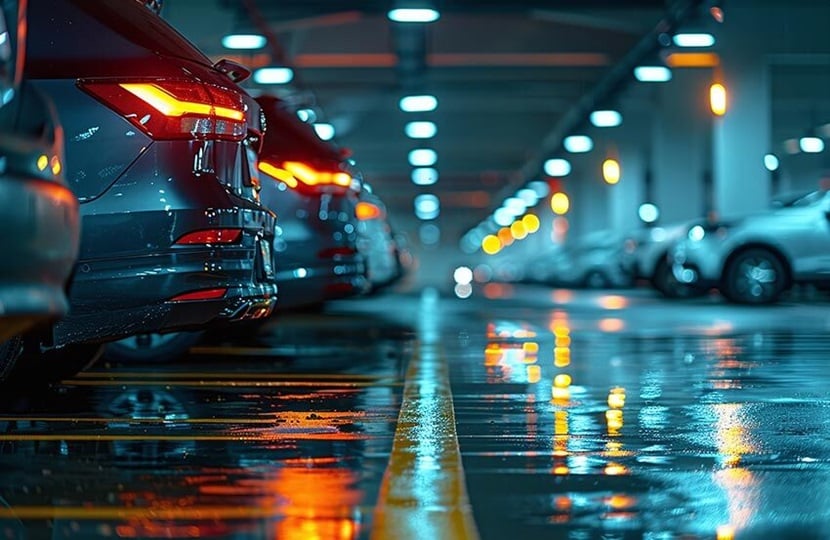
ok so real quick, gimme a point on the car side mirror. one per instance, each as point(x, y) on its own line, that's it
point(235, 72)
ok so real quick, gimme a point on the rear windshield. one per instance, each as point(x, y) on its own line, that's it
point(72, 30)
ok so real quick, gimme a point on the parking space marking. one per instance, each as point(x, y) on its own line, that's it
point(111, 513)
point(276, 434)
point(423, 494)
point(224, 375)
point(241, 383)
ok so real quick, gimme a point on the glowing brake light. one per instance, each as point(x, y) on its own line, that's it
point(310, 176)
point(204, 294)
point(294, 173)
point(211, 236)
point(176, 109)
point(365, 210)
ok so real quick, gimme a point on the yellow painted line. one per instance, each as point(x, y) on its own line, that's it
point(230, 383)
point(279, 419)
point(423, 493)
point(223, 375)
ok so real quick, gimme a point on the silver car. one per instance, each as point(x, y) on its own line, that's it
point(594, 261)
point(754, 259)
point(646, 252)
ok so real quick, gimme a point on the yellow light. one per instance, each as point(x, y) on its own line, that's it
point(42, 162)
point(276, 172)
point(169, 105)
point(616, 398)
point(563, 380)
point(366, 210)
point(559, 203)
point(611, 171)
point(491, 244)
point(692, 60)
point(614, 418)
point(725, 532)
point(611, 325)
point(561, 356)
point(505, 236)
point(560, 470)
point(518, 230)
point(563, 341)
point(561, 394)
point(531, 222)
point(717, 99)
point(615, 469)
point(56, 165)
point(530, 347)
point(534, 374)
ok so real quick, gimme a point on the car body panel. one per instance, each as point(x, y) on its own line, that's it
point(799, 233)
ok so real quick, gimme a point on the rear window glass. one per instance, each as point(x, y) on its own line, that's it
point(102, 30)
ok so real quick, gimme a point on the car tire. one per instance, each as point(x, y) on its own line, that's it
point(666, 284)
point(755, 276)
point(151, 348)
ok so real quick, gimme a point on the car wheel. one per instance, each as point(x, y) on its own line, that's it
point(597, 280)
point(151, 348)
point(754, 276)
point(667, 285)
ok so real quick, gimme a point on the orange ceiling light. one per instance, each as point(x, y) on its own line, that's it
point(693, 60)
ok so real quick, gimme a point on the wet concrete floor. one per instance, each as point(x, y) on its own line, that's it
point(521, 412)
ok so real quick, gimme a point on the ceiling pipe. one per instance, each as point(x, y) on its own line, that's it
point(609, 85)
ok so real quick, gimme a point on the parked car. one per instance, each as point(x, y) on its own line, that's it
point(309, 185)
point(753, 259)
point(594, 261)
point(158, 140)
point(376, 240)
point(38, 212)
point(646, 258)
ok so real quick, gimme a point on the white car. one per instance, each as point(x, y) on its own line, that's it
point(752, 260)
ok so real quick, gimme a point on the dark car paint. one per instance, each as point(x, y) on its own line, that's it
point(139, 195)
point(38, 213)
point(316, 243)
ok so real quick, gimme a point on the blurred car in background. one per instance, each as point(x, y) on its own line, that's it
point(752, 260)
point(38, 212)
point(157, 152)
point(375, 240)
point(646, 258)
point(307, 182)
point(595, 261)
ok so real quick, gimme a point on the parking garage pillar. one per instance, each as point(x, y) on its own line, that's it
point(681, 147)
point(742, 135)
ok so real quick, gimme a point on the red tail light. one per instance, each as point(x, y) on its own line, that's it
point(365, 210)
point(300, 175)
point(211, 236)
point(204, 294)
point(176, 109)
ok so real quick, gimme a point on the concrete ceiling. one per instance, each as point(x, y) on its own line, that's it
point(510, 76)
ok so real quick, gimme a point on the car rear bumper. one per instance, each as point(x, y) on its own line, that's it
point(38, 247)
point(301, 286)
point(133, 293)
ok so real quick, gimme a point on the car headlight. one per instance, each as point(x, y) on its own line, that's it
point(697, 233)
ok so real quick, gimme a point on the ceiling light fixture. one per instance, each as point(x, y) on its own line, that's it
point(694, 39)
point(244, 41)
point(421, 103)
point(606, 118)
point(578, 144)
point(423, 157)
point(421, 130)
point(652, 73)
point(273, 75)
point(324, 130)
point(413, 15)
